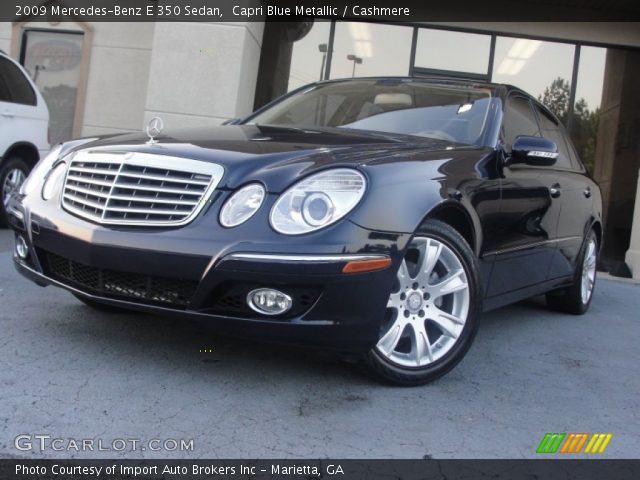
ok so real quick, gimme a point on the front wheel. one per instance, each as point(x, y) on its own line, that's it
point(430, 319)
point(13, 173)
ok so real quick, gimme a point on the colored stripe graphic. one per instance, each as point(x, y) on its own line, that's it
point(550, 443)
point(598, 443)
point(574, 442)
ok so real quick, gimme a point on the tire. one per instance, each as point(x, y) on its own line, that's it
point(13, 172)
point(576, 299)
point(102, 307)
point(419, 310)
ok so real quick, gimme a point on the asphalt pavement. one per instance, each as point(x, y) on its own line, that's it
point(70, 373)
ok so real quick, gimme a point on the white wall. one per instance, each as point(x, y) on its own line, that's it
point(203, 73)
point(5, 36)
point(118, 77)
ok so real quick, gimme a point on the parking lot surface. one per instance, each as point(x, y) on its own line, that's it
point(73, 373)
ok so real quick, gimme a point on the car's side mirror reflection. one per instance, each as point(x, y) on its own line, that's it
point(538, 151)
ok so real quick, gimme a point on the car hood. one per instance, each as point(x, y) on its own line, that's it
point(278, 156)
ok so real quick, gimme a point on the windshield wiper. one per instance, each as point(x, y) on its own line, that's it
point(286, 128)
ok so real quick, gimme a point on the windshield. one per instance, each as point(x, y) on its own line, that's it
point(452, 113)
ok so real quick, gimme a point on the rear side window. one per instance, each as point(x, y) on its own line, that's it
point(519, 119)
point(551, 130)
point(4, 92)
point(17, 87)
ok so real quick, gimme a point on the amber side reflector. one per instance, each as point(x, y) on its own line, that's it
point(359, 266)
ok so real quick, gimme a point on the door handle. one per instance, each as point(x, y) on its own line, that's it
point(555, 190)
point(587, 192)
point(7, 113)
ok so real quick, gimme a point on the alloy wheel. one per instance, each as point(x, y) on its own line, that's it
point(12, 183)
point(589, 271)
point(428, 307)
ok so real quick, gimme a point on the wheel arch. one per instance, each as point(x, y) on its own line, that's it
point(454, 214)
point(25, 151)
point(596, 226)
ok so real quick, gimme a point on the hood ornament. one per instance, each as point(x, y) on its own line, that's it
point(154, 128)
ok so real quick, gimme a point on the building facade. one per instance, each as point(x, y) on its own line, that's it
point(113, 77)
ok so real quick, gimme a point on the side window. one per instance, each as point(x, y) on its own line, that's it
point(16, 83)
point(4, 92)
point(519, 119)
point(551, 130)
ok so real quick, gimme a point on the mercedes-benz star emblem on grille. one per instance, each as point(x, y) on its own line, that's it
point(154, 128)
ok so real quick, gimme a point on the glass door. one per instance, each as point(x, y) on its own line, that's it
point(53, 59)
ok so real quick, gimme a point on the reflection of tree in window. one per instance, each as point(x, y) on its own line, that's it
point(584, 122)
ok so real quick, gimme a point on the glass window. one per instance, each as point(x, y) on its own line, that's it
point(4, 91)
point(309, 56)
point(586, 111)
point(370, 49)
point(53, 61)
point(542, 69)
point(19, 89)
point(551, 130)
point(453, 51)
point(518, 120)
point(404, 107)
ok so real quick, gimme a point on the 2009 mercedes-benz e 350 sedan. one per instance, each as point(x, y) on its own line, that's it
point(378, 216)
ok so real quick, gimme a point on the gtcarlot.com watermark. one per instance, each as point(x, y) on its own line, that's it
point(44, 442)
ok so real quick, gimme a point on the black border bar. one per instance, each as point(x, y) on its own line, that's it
point(360, 10)
point(543, 469)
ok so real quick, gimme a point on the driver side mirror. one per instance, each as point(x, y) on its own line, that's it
point(537, 151)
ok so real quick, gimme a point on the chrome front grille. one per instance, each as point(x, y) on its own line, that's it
point(138, 188)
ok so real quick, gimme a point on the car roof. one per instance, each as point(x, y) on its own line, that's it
point(498, 89)
point(466, 82)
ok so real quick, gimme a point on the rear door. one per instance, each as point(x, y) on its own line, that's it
point(529, 210)
point(575, 193)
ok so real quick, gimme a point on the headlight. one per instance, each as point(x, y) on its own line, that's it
point(38, 173)
point(241, 206)
point(318, 201)
point(53, 181)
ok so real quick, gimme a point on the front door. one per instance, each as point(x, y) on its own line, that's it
point(529, 211)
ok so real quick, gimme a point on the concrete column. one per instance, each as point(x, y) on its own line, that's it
point(618, 149)
point(632, 258)
point(203, 73)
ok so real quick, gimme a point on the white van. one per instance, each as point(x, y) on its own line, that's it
point(24, 125)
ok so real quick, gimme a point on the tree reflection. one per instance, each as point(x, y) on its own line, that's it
point(583, 127)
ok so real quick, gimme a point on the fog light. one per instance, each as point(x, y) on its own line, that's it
point(21, 248)
point(268, 301)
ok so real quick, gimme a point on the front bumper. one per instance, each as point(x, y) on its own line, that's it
point(204, 272)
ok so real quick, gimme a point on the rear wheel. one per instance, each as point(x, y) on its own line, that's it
point(430, 319)
point(13, 173)
point(577, 298)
